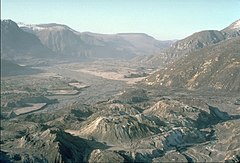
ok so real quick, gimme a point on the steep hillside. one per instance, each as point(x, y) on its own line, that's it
point(194, 42)
point(216, 66)
point(18, 44)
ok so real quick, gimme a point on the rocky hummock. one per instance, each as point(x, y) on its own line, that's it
point(121, 129)
point(119, 124)
point(132, 96)
point(51, 145)
point(178, 114)
point(169, 129)
point(106, 156)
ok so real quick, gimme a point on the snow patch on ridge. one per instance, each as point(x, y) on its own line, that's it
point(40, 27)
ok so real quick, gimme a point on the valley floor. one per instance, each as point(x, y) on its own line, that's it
point(114, 117)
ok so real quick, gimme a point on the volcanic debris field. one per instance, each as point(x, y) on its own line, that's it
point(100, 119)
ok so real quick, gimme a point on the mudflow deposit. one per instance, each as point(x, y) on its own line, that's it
point(69, 96)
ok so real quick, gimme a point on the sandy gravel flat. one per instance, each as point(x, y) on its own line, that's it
point(33, 107)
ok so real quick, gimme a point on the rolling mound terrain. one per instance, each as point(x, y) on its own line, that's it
point(154, 129)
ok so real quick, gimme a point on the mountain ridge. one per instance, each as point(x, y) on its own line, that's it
point(90, 43)
point(194, 42)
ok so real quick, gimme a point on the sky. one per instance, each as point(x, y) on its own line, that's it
point(162, 19)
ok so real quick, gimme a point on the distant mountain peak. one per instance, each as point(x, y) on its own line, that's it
point(233, 30)
point(235, 25)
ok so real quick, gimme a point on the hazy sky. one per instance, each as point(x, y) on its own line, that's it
point(163, 19)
